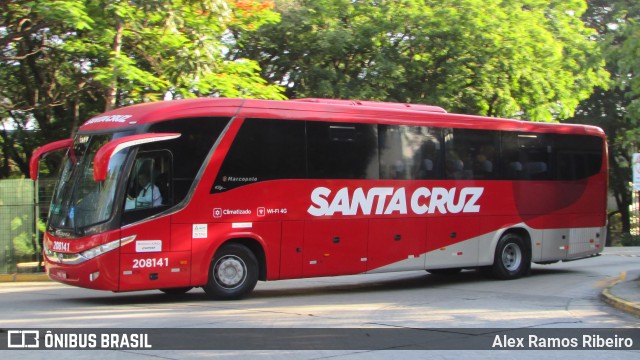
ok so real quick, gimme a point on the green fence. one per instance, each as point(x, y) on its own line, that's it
point(20, 243)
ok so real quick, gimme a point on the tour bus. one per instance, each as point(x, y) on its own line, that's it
point(220, 193)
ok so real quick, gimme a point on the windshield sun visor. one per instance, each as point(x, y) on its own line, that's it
point(101, 160)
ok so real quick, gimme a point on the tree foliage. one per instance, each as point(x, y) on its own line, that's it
point(63, 61)
point(616, 108)
point(530, 59)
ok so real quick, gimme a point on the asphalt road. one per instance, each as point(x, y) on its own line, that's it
point(563, 295)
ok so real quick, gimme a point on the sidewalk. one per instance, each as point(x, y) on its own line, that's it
point(23, 277)
point(624, 293)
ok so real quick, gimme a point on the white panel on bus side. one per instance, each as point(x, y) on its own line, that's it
point(537, 241)
point(487, 247)
point(462, 254)
point(414, 263)
point(586, 241)
point(555, 244)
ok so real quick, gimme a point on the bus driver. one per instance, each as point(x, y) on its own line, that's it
point(149, 195)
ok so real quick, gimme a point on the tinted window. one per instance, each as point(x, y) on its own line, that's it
point(149, 186)
point(189, 150)
point(264, 149)
point(526, 156)
point(471, 154)
point(410, 152)
point(578, 156)
point(342, 151)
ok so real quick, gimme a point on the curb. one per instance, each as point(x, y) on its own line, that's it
point(24, 277)
point(617, 302)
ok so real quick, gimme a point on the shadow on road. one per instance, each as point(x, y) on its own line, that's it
point(418, 281)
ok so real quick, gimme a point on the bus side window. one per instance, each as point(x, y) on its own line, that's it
point(578, 156)
point(409, 152)
point(471, 154)
point(393, 164)
point(149, 185)
point(189, 151)
point(263, 149)
point(526, 156)
point(342, 151)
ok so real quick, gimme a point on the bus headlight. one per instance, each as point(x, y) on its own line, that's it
point(73, 259)
point(100, 249)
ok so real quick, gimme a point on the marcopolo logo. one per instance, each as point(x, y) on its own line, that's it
point(388, 200)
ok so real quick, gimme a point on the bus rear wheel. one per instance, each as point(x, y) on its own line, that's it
point(233, 273)
point(512, 258)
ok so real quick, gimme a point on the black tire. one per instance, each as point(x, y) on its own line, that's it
point(445, 272)
point(512, 258)
point(233, 273)
point(176, 291)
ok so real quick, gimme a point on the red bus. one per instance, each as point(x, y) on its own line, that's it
point(221, 193)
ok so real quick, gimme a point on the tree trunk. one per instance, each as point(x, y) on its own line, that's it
point(622, 193)
point(110, 96)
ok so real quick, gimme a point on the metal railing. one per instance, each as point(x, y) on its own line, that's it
point(22, 216)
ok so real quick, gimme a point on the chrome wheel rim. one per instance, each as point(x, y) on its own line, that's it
point(230, 271)
point(511, 257)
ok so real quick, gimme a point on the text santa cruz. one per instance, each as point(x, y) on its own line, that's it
point(389, 200)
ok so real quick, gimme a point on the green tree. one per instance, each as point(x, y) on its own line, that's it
point(530, 59)
point(616, 108)
point(63, 61)
point(35, 74)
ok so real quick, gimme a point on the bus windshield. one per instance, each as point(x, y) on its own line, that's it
point(79, 201)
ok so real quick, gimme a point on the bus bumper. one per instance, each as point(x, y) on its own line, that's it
point(100, 273)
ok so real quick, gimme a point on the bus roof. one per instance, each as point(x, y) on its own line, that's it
point(319, 110)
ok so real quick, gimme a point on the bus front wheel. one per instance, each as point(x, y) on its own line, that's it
point(233, 273)
point(512, 258)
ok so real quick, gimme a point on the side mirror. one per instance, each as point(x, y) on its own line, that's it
point(104, 154)
point(44, 150)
